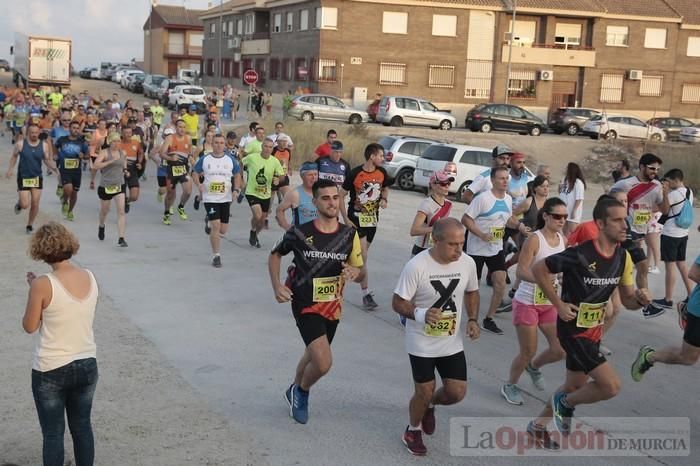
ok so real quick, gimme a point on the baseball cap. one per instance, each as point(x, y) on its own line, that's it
point(441, 176)
point(337, 145)
point(501, 149)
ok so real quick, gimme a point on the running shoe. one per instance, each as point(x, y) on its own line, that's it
point(64, 208)
point(541, 437)
point(171, 211)
point(662, 303)
point(159, 196)
point(166, 219)
point(29, 229)
point(368, 302)
point(428, 421)
point(252, 238)
point(196, 203)
point(641, 364)
point(59, 190)
point(240, 197)
point(101, 232)
point(413, 439)
point(505, 306)
point(126, 207)
point(18, 209)
point(299, 408)
point(682, 308)
point(536, 376)
point(216, 261)
point(122, 243)
point(288, 397)
point(207, 229)
point(511, 293)
point(70, 217)
point(654, 270)
point(181, 213)
point(561, 413)
point(489, 325)
point(512, 394)
point(257, 242)
point(651, 311)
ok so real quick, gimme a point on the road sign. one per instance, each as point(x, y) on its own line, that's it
point(250, 77)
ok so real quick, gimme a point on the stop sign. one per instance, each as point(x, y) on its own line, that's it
point(250, 77)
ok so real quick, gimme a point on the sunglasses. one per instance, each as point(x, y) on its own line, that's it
point(654, 169)
point(558, 216)
point(444, 184)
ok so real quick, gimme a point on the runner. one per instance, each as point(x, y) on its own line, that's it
point(158, 114)
point(282, 153)
point(334, 167)
point(71, 150)
point(30, 152)
point(486, 218)
point(324, 149)
point(191, 120)
point(111, 162)
point(245, 139)
point(20, 114)
point(134, 161)
point(263, 172)
point(279, 130)
point(326, 255)
point(433, 288)
point(222, 178)
point(531, 309)
point(177, 151)
point(430, 210)
point(368, 187)
point(96, 144)
point(254, 146)
point(162, 164)
point(591, 272)
point(500, 156)
point(299, 199)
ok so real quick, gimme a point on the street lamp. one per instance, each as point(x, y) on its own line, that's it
point(514, 7)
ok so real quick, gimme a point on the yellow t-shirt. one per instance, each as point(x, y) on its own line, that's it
point(191, 124)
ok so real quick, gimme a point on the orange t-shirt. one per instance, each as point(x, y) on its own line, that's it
point(131, 149)
point(586, 231)
point(284, 156)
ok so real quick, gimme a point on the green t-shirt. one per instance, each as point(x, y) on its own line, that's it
point(158, 114)
point(260, 173)
point(253, 147)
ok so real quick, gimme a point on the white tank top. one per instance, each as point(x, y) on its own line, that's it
point(65, 334)
point(526, 290)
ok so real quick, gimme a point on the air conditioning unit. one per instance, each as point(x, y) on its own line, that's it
point(546, 75)
point(635, 75)
point(234, 43)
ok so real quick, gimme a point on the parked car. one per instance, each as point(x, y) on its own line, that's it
point(505, 117)
point(399, 111)
point(126, 76)
point(95, 73)
point(400, 156)
point(570, 120)
point(186, 95)
point(690, 134)
point(325, 107)
point(621, 126)
point(672, 126)
point(120, 71)
point(135, 83)
point(4, 65)
point(109, 73)
point(470, 161)
point(166, 86)
point(151, 83)
point(85, 72)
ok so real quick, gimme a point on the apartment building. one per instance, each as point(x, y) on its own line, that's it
point(639, 56)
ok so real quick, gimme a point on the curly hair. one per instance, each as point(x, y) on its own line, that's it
point(53, 243)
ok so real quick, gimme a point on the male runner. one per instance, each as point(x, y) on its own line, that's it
point(590, 273)
point(222, 178)
point(254, 146)
point(72, 149)
point(334, 167)
point(431, 292)
point(246, 138)
point(30, 152)
point(279, 130)
point(299, 199)
point(162, 171)
point(500, 155)
point(134, 162)
point(191, 120)
point(324, 149)
point(368, 186)
point(177, 151)
point(326, 255)
point(158, 114)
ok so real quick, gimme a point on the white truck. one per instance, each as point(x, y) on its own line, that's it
point(41, 61)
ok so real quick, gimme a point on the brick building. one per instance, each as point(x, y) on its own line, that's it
point(637, 56)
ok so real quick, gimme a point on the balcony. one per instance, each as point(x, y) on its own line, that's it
point(256, 44)
point(545, 54)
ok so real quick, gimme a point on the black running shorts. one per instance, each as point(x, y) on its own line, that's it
point(691, 335)
point(103, 195)
point(449, 367)
point(673, 249)
point(582, 354)
point(493, 263)
point(263, 203)
point(71, 177)
point(218, 211)
point(312, 326)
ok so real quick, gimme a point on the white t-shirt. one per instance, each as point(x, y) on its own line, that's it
point(570, 198)
point(677, 197)
point(643, 198)
point(517, 187)
point(490, 215)
point(217, 172)
point(426, 283)
point(245, 140)
point(433, 212)
point(481, 183)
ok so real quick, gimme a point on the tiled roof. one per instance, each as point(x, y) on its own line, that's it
point(688, 9)
point(653, 8)
point(483, 3)
point(179, 16)
point(593, 6)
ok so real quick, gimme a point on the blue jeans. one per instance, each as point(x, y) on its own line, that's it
point(67, 389)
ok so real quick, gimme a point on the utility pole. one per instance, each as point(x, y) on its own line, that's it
point(514, 7)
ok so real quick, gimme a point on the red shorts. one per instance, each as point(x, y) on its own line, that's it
point(533, 314)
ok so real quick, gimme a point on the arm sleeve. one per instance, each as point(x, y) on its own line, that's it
point(408, 282)
point(355, 258)
point(627, 278)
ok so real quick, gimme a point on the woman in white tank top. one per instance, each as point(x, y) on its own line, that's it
point(531, 309)
point(60, 311)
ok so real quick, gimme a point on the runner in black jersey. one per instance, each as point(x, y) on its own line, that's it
point(326, 255)
point(591, 272)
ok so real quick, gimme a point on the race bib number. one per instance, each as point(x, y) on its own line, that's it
point(218, 187)
point(179, 170)
point(114, 189)
point(326, 289)
point(261, 189)
point(71, 164)
point(497, 234)
point(30, 182)
point(445, 327)
point(539, 298)
point(367, 220)
point(641, 217)
point(590, 315)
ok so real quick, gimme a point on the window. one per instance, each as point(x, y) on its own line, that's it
point(650, 86)
point(176, 43)
point(277, 22)
point(287, 69)
point(442, 76)
point(304, 20)
point(407, 104)
point(395, 22)
point(210, 67)
point(691, 94)
point(230, 28)
point(522, 85)
point(567, 34)
point(445, 25)
point(249, 24)
point(236, 69)
point(476, 158)
point(224, 29)
point(274, 68)
point(524, 32)
point(393, 74)
point(617, 36)
point(212, 30)
point(301, 72)
point(655, 38)
point(440, 153)
point(693, 47)
point(326, 18)
point(195, 39)
point(611, 88)
point(225, 67)
point(478, 80)
point(290, 22)
point(239, 27)
point(261, 68)
point(327, 70)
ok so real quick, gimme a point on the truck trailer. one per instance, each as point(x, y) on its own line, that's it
point(41, 61)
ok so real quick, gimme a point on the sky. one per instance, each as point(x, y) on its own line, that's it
point(101, 30)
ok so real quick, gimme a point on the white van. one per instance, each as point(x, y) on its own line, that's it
point(187, 75)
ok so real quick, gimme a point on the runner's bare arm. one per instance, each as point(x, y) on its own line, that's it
point(527, 255)
point(290, 200)
point(665, 205)
point(344, 208)
point(408, 310)
point(419, 226)
point(523, 206)
point(99, 161)
point(515, 224)
point(541, 273)
point(49, 159)
point(384, 199)
point(471, 304)
point(13, 159)
point(282, 293)
point(632, 298)
point(469, 222)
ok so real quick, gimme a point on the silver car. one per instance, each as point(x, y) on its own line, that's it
point(399, 111)
point(325, 107)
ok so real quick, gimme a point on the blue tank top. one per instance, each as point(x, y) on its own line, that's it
point(306, 211)
point(30, 159)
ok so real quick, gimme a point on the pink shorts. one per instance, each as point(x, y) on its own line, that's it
point(531, 314)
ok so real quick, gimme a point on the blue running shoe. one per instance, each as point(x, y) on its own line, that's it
point(299, 408)
point(562, 414)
